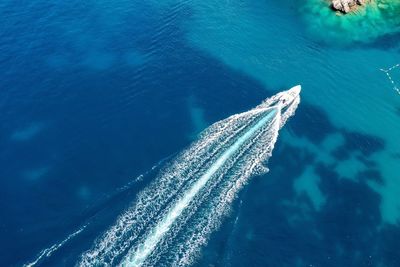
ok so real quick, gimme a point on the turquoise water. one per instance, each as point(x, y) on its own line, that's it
point(378, 19)
point(346, 83)
point(95, 94)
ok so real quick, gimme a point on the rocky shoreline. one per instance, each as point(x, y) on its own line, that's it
point(347, 6)
point(345, 22)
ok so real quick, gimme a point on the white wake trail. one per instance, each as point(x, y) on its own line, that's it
point(174, 216)
point(151, 241)
point(46, 253)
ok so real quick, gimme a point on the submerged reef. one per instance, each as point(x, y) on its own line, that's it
point(359, 21)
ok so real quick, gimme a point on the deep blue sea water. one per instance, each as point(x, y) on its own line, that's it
point(95, 93)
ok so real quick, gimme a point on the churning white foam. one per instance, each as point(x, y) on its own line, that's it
point(175, 214)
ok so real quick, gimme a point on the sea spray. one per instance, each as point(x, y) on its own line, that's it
point(174, 216)
point(95, 212)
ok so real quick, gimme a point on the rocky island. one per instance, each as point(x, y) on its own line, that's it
point(344, 22)
point(346, 6)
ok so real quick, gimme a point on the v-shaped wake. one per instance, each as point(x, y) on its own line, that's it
point(174, 216)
